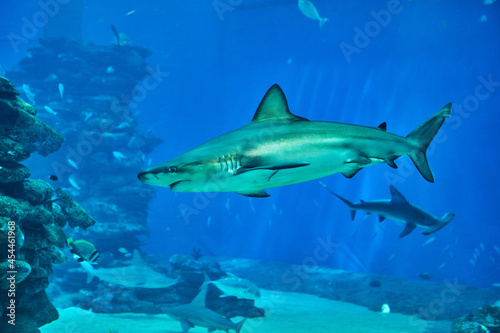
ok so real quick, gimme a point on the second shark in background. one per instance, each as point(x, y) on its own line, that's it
point(399, 209)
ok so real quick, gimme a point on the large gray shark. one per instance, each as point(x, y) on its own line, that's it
point(278, 148)
point(136, 275)
point(399, 209)
point(197, 314)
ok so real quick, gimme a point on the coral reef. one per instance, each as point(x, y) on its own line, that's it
point(31, 221)
point(89, 94)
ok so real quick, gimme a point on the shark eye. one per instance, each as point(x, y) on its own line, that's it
point(172, 169)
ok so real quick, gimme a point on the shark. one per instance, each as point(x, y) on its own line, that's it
point(136, 275)
point(278, 148)
point(197, 314)
point(399, 209)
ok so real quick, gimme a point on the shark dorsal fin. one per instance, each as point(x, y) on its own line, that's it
point(137, 259)
point(274, 107)
point(199, 300)
point(383, 126)
point(397, 197)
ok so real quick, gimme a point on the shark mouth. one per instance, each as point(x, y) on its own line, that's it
point(174, 184)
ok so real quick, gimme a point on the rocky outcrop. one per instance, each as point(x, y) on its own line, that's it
point(31, 219)
point(90, 94)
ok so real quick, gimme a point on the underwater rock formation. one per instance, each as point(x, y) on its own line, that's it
point(89, 94)
point(31, 221)
point(486, 319)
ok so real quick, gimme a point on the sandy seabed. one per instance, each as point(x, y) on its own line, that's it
point(285, 312)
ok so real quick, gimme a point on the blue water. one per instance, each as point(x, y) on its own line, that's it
point(220, 67)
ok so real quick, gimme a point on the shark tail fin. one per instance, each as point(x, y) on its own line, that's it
point(422, 137)
point(347, 202)
point(322, 21)
point(239, 325)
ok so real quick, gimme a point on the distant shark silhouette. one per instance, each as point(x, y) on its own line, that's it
point(399, 209)
point(278, 148)
point(197, 314)
point(137, 275)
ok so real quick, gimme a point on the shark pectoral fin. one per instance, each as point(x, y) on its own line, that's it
point(409, 228)
point(351, 173)
point(254, 194)
point(185, 325)
point(381, 218)
point(273, 167)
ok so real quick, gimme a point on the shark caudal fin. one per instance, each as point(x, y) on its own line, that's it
point(422, 137)
point(347, 202)
point(239, 325)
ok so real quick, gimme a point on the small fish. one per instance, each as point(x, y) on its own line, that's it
point(131, 141)
point(72, 163)
point(49, 110)
point(87, 117)
point(119, 156)
point(122, 250)
point(209, 220)
point(307, 8)
point(228, 206)
point(446, 248)
point(73, 183)
point(252, 207)
point(392, 256)
point(237, 287)
point(29, 94)
point(316, 203)
point(123, 125)
point(110, 70)
point(354, 232)
point(442, 265)
point(130, 13)
point(488, 2)
point(481, 245)
point(385, 310)
point(425, 276)
point(430, 240)
point(496, 249)
point(483, 18)
point(84, 251)
point(53, 177)
point(497, 285)
point(61, 90)
point(492, 259)
point(472, 262)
